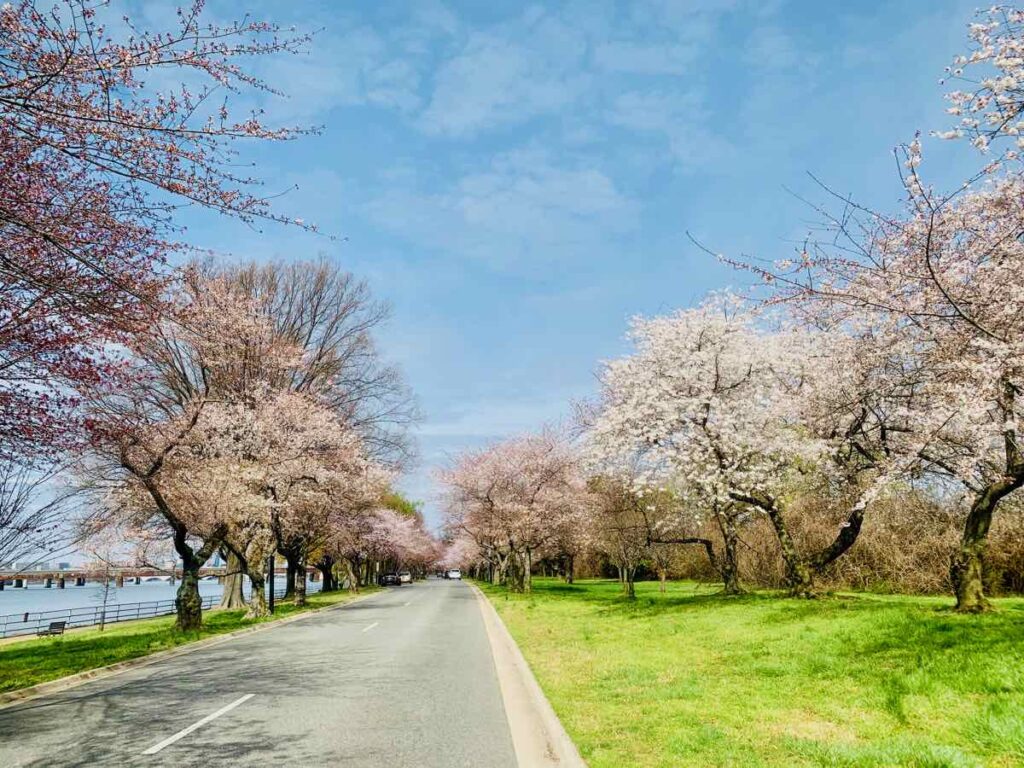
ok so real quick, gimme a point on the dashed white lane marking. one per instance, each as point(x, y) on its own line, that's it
point(367, 629)
point(407, 603)
point(199, 724)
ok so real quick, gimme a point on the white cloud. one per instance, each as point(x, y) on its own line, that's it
point(524, 208)
point(680, 117)
point(645, 59)
point(497, 419)
point(508, 75)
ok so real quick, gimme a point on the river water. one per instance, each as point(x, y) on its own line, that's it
point(37, 598)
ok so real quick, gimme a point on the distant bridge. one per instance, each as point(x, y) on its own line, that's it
point(80, 576)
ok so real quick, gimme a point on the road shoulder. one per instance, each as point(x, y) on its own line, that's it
point(539, 739)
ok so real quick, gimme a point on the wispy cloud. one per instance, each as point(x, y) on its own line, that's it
point(506, 75)
point(525, 207)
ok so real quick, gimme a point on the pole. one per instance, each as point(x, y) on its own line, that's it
point(270, 582)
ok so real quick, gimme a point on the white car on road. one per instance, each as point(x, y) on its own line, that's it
point(454, 573)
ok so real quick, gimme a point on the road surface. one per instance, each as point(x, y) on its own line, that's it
point(404, 678)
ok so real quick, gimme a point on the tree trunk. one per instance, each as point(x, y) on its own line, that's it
point(258, 599)
point(232, 597)
point(300, 583)
point(514, 573)
point(967, 569)
point(188, 603)
point(291, 558)
point(799, 575)
point(353, 578)
point(730, 562)
point(629, 572)
point(326, 567)
point(570, 569)
point(662, 578)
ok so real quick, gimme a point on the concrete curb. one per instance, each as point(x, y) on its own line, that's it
point(12, 698)
point(539, 739)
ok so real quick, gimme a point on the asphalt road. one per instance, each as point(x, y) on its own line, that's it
point(402, 678)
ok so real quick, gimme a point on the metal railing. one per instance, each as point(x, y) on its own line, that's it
point(30, 622)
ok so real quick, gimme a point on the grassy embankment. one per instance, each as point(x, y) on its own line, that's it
point(690, 678)
point(28, 662)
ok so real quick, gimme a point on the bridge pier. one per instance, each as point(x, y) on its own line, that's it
point(49, 582)
point(60, 582)
point(138, 579)
point(79, 581)
point(2, 583)
point(19, 583)
point(119, 580)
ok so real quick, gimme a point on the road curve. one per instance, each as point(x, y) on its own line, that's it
point(404, 678)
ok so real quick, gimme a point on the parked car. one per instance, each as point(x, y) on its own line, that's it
point(405, 577)
point(454, 573)
point(389, 580)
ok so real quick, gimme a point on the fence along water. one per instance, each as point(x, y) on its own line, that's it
point(30, 622)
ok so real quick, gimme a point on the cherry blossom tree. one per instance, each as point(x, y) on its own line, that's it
point(159, 444)
point(940, 285)
point(943, 283)
point(511, 499)
point(461, 552)
point(101, 143)
point(619, 528)
point(731, 415)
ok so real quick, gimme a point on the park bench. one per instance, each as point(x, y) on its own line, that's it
point(55, 628)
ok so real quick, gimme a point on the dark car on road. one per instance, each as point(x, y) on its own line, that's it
point(389, 580)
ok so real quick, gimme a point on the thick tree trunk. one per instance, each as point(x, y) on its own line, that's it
point(188, 603)
point(326, 567)
point(799, 576)
point(353, 578)
point(570, 569)
point(730, 561)
point(291, 559)
point(232, 597)
point(258, 599)
point(300, 583)
point(515, 572)
point(967, 570)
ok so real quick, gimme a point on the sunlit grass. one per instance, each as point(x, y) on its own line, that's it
point(689, 678)
point(30, 662)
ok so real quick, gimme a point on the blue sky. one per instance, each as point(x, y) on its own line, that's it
point(518, 179)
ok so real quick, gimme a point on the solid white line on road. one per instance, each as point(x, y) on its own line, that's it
point(367, 629)
point(185, 732)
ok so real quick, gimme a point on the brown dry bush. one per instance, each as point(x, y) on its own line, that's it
point(905, 546)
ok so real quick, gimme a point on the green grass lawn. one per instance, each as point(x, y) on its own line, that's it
point(28, 662)
point(691, 678)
